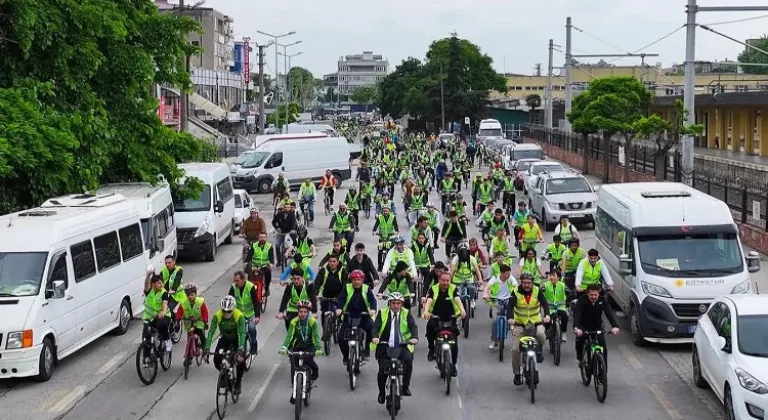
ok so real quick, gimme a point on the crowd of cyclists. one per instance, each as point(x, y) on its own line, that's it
point(317, 304)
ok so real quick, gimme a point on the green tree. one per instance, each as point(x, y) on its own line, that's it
point(751, 55)
point(609, 106)
point(365, 95)
point(532, 101)
point(302, 85)
point(666, 133)
point(293, 111)
point(394, 87)
point(76, 104)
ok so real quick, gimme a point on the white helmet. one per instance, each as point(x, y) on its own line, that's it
point(228, 303)
point(430, 204)
point(397, 296)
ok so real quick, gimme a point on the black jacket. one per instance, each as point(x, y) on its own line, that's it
point(384, 337)
point(284, 222)
point(311, 294)
point(334, 284)
point(588, 316)
point(366, 266)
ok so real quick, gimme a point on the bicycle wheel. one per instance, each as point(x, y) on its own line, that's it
point(586, 372)
point(264, 299)
point(175, 331)
point(447, 371)
point(248, 355)
point(600, 372)
point(147, 369)
point(393, 399)
point(187, 363)
point(298, 402)
point(222, 388)
point(351, 364)
point(327, 335)
point(165, 360)
point(532, 378)
point(556, 341)
point(500, 333)
point(231, 383)
point(199, 357)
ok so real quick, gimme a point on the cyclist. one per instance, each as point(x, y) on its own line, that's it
point(423, 255)
point(500, 246)
point(555, 252)
point(248, 303)
point(484, 220)
point(588, 316)
point(508, 199)
point(520, 217)
point(383, 202)
point(530, 235)
point(361, 261)
point(156, 300)
point(284, 223)
point(525, 306)
point(433, 221)
point(299, 262)
point(454, 231)
point(398, 281)
point(338, 249)
point(342, 225)
point(477, 251)
point(557, 296)
point(397, 254)
point(464, 268)
point(297, 290)
point(307, 194)
point(262, 256)
point(416, 201)
point(570, 263)
point(421, 227)
point(444, 302)
point(304, 335)
point(253, 226)
point(498, 260)
point(395, 326)
point(446, 187)
point(498, 222)
point(433, 278)
point(230, 323)
point(303, 245)
point(196, 312)
point(172, 274)
point(475, 186)
point(591, 270)
point(363, 175)
point(330, 282)
point(357, 299)
point(352, 200)
point(329, 184)
point(280, 187)
point(485, 194)
point(532, 266)
point(566, 229)
point(499, 287)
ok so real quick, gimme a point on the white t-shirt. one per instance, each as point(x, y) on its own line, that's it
point(504, 291)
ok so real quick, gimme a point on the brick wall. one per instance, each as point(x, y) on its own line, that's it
point(750, 236)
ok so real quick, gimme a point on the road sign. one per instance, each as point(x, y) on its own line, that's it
point(466, 120)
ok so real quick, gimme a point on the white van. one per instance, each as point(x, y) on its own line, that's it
point(489, 129)
point(205, 222)
point(310, 128)
point(69, 273)
point(298, 157)
point(671, 249)
point(155, 207)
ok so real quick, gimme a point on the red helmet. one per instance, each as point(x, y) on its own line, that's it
point(497, 165)
point(356, 275)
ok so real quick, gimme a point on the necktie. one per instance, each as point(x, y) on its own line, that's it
point(396, 325)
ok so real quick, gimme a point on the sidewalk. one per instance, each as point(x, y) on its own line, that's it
point(759, 163)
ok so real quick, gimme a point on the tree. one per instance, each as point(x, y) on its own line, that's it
point(293, 112)
point(394, 87)
point(532, 101)
point(365, 95)
point(609, 106)
point(751, 55)
point(76, 104)
point(666, 134)
point(302, 85)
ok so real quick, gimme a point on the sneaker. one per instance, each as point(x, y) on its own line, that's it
point(455, 371)
point(292, 400)
point(381, 398)
point(472, 304)
point(564, 338)
point(344, 361)
point(518, 379)
point(431, 356)
point(168, 345)
point(407, 392)
point(493, 344)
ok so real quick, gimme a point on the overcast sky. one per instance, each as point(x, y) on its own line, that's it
point(515, 33)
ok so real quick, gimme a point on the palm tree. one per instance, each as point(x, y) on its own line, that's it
point(532, 101)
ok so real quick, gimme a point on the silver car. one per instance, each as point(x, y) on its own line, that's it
point(558, 194)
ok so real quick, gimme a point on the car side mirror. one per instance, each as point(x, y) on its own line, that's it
point(57, 289)
point(625, 264)
point(722, 344)
point(753, 262)
point(596, 188)
point(219, 207)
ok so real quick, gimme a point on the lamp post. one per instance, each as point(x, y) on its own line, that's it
point(184, 96)
point(277, 79)
point(285, 66)
point(289, 83)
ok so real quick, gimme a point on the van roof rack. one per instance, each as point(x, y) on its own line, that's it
point(665, 194)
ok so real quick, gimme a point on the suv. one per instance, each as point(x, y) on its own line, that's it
point(558, 194)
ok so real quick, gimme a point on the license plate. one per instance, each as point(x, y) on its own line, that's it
point(576, 215)
point(691, 329)
point(180, 246)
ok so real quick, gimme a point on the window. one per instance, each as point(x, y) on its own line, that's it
point(612, 234)
point(83, 261)
point(169, 211)
point(161, 221)
point(753, 335)
point(21, 272)
point(238, 202)
point(704, 254)
point(723, 327)
point(58, 270)
point(715, 313)
point(107, 251)
point(247, 202)
point(274, 161)
point(130, 242)
point(226, 192)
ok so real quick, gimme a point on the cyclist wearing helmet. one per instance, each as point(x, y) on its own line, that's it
point(453, 232)
point(230, 323)
point(196, 312)
point(433, 221)
point(253, 226)
point(297, 290)
point(304, 335)
point(395, 327)
point(525, 308)
point(156, 307)
point(399, 253)
point(246, 296)
point(443, 302)
point(280, 187)
point(303, 245)
point(383, 201)
point(307, 194)
point(342, 225)
point(357, 301)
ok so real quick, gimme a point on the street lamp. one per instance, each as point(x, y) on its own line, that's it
point(285, 66)
point(277, 79)
point(288, 72)
point(184, 96)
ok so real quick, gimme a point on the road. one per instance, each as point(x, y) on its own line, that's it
point(100, 382)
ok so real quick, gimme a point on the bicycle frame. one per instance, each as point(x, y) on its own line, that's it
point(297, 359)
point(502, 330)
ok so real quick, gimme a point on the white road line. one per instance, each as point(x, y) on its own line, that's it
point(119, 357)
point(68, 399)
point(263, 388)
point(630, 356)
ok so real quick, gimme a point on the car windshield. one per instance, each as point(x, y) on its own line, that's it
point(701, 255)
point(256, 159)
point(21, 273)
point(527, 154)
point(202, 203)
point(243, 158)
point(447, 137)
point(523, 166)
point(549, 168)
point(568, 186)
point(753, 335)
point(490, 132)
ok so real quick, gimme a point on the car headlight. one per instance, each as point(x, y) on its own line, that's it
point(652, 289)
point(19, 340)
point(203, 227)
point(749, 382)
point(253, 172)
point(741, 288)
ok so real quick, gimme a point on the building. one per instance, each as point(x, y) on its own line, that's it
point(704, 67)
point(358, 70)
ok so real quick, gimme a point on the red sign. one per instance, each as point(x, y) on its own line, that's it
point(246, 61)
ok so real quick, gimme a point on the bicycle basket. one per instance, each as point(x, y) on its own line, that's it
point(393, 368)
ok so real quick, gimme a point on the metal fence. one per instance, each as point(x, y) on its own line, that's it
point(745, 190)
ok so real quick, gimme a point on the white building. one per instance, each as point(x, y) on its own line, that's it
point(357, 70)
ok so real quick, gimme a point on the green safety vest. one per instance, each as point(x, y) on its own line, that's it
point(487, 217)
point(485, 192)
point(397, 257)
point(244, 301)
point(228, 328)
point(405, 333)
point(572, 259)
point(415, 231)
point(555, 295)
point(417, 202)
point(168, 279)
point(465, 270)
point(260, 255)
point(153, 304)
point(420, 255)
point(325, 277)
point(447, 185)
point(509, 185)
point(499, 246)
point(307, 190)
point(521, 217)
point(194, 311)
point(566, 234)
point(386, 227)
point(342, 223)
point(459, 207)
point(531, 267)
point(495, 270)
point(304, 249)
point(527, 312)
point(494, 290)
point(351, 291)
point(304, 266)
point(450, 227)
point(451, 291)
point(295, 298)
point(494, 227)
point(530, 233)
point(399, 285)
point(431, 218)
point(556, 252)
point(352, 201)
point(591, 273)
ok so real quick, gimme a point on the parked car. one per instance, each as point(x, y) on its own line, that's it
point(538, 167)
point(730, 354)
point(558, 194)
point(242, 208)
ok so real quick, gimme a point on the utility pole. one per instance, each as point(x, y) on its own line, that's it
point(568, 75)
point(537, 68)
point(442, 97)
point(689, 95)
point(548, 111)
point(262, 117)
point(277, 73)
point(184, 123)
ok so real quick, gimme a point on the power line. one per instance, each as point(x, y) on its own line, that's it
point(600, 40)
point(654, 42)
point(737, 20)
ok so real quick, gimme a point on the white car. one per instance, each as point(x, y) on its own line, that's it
point(242, 208)
point(730, 354)
point(538, 167)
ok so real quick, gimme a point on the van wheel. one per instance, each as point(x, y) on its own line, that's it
point(211, 254)
point(634, 325)
point(264, 186)
point(123, 318)
point(228, 240)
point(47, 359)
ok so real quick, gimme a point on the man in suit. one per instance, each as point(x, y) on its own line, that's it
point(395, 327)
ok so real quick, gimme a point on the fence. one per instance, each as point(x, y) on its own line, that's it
point(744, 190)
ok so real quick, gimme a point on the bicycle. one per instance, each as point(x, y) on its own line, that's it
point(384, 246)
point(443, 359)
point(257, 278)
point(192, 350)
point(418, 285)
point(529, 347)
point(225, 385)
point(355, 338)
point(593, 364)
point(327, 202)
point(150, 350)
point(365, 205)
point(467, 301)
point(175, 326)
point(500, 326)
point(302, 381)
point(331, 324)
point(305, 212)
point(394, 370)
point(555, 336)
point(280, 251)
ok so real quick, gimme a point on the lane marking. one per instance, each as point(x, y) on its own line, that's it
point(119, 357)
point(68, 399)
point(630, 356)
point(263, 388)
point(665, 403)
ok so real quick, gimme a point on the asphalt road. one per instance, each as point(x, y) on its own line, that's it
point(100, 382)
